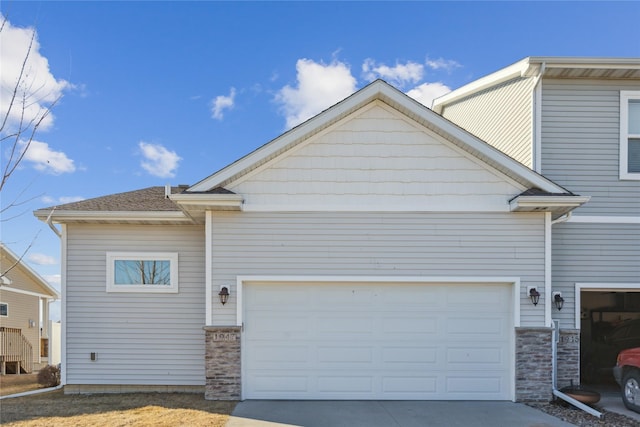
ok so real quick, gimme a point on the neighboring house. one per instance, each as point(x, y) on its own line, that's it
point(577, 122)
point(376, 251)
point(25, 296)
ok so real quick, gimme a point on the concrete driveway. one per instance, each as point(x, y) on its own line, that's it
point(272, 413)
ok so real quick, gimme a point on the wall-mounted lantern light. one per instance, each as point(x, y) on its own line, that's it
point(558, 300)
point(32, 323)
point(534, 295)
point(224, 294)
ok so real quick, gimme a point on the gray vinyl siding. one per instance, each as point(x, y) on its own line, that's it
point(592, 253)
point(378, 244)
point(580, 144)
point(501, 116)
point(140, 338)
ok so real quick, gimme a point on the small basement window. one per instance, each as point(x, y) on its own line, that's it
point(142, 272)
point(629, 134)
point(4, 309)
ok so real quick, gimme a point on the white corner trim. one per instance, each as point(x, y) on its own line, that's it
point(605, 219)
point(547, 267)
point(63, 305)
point(208, 273)
point(514, 281)
point(599, 286)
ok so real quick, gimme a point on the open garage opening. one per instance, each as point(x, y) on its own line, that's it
point(609, 323)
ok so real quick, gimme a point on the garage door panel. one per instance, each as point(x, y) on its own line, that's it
point(415, 355)
point(421, 324)
point(345, 355)
point(475, 385)
point(404, 385)
point(344, 325)
point(368, 348)
point(477, 357)
point(345, 384)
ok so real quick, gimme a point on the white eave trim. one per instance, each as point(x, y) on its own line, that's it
point(34, 294)
point(35, 276)
point(548, 203)
point(120, 216)
point(208, 200)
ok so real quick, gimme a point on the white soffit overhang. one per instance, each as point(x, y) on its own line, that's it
point(380, 90)
point(557, 205)
point(195, 205)
point(147, 217)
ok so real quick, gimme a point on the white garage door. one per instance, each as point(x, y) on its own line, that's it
point(377, 341)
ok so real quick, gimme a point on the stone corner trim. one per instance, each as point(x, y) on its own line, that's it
point(222, 363)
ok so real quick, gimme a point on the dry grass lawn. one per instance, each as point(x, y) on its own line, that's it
point(134, 409)
point(12, 384)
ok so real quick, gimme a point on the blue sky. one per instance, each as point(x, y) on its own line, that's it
point(169, 92)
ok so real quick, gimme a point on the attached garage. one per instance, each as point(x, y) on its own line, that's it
point(378, 340)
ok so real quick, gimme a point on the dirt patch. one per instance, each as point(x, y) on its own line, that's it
point(12, 384)
point(139, 409)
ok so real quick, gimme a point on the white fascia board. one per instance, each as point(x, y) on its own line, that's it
point(208, 200)
point(511, 72)
point(33, 294)
point(121, 216)
point(528, 202)
point(585, 62)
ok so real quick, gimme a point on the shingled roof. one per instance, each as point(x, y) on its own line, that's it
point(144, 200)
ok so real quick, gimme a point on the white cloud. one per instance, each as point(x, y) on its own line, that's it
point(41, 259)
point(53, 279)
point(158, 161)
point(442, 64)
point(427, 92)
point(46, 159)
point(38, 87)
point(399, 75)
point(318, 87)
point(221, 103)
point(60, 200)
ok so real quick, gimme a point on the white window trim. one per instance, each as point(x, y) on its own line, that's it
point(625, 97)
point(172, 257)
point(7, 304)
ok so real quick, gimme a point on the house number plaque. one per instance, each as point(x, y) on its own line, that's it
point(224, 336)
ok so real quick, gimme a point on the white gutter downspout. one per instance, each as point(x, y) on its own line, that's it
point(537, 120)
point(555, 327)
point(50, 224)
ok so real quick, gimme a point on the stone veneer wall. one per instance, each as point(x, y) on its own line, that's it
point(533, 364)
point(222, 363)
point(568, 358)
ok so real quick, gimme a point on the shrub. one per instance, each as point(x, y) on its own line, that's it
point(49, 376)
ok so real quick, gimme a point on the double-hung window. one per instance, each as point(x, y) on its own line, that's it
point(629, 134)
point(4, 309)
point(142, 272)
